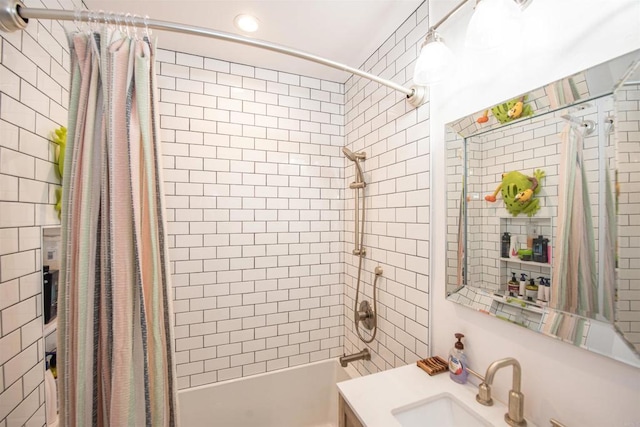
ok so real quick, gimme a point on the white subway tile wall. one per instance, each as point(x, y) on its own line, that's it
point(253, 173)
point(395, 137)
point(34, 85)
point(628, 146)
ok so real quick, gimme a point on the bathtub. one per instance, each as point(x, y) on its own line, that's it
point(302, 396)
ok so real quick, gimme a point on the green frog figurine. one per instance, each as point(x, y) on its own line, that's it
point(518, 191)
point(59, 137)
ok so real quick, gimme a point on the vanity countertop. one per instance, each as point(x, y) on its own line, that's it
point(374, 397)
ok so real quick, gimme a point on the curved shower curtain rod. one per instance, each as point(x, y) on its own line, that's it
point(15, 16)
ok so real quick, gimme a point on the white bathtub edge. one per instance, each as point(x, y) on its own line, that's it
point(350, 370)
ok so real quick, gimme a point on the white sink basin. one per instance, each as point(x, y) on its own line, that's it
point(441, 410)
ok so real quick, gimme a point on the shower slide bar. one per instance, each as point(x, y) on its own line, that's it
point(14, 15)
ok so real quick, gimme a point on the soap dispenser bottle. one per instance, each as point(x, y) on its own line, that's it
point(513, 286)
point(531, 290)
point(540, 296)
point(523, 285)
point(458, 362)
point(547, 289)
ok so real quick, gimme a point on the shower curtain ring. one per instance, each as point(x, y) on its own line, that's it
point(89, 22)
point(134, 18)
point(147, 32)
point(95, 21)
point(111, 19)
point(76, 19)
point(127, 17)
point(119, 21)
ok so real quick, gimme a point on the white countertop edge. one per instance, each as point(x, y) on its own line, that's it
point(374, 397)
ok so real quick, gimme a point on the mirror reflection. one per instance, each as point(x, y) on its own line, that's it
point(627, 134)
point(542, 210)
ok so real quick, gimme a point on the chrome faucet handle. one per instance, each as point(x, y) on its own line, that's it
point(484, 395)
point(484, 390)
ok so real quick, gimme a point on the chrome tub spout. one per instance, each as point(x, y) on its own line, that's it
point(361, 355)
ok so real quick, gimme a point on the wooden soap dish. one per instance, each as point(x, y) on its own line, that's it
point(433, 365)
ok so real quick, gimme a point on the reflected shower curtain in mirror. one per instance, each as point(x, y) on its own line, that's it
point(114, 333)
point(574, 284)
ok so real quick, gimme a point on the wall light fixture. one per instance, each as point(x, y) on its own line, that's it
point(486, 30)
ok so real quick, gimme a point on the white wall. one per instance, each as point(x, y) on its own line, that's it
point(560, 38)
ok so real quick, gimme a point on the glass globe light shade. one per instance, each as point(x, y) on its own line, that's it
point(435, 62)
point(494, 23)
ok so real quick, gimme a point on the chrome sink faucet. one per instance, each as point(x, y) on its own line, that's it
point(515, 416)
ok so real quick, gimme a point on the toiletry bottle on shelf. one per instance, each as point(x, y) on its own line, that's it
point(547, 289)
point(513, 286)
point(458, 362)
point(505, 245)
point(532, 232)
point(540, 251)
point(513, 248)
point(523, 285)
point(540, 297)
point(532, 290)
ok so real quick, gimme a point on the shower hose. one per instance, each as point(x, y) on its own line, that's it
point(356, 318)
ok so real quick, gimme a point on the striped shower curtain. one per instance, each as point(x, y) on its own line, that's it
point(575, 285)
point(115, 318)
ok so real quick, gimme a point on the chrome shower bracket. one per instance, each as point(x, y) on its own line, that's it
point(366, 315)
point(417, 96)
point(589, 126)
point(10, 19)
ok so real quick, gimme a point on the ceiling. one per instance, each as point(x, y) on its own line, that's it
point(347, 31)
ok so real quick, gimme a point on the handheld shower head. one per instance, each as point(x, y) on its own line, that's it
point(349, 154)
point(355, 157)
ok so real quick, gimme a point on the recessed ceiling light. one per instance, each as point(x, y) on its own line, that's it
point(246, 23)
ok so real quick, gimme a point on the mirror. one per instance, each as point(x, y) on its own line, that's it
point(543, 212)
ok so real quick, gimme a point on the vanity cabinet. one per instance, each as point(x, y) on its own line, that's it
point(346, 417)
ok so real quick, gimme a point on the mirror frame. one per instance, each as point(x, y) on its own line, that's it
point(604, 80)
